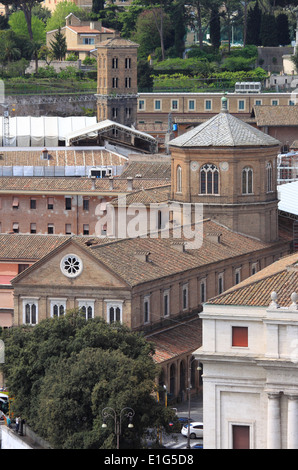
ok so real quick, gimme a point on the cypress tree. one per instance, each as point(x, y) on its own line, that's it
point(254, 19)
point(58, 45)
point(268, 32)
point(215, 28)
point(282, 26)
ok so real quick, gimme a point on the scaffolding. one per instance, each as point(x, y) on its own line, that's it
point(287, 167)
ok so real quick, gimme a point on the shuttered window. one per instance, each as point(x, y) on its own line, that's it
point(241, 437)
point(240, 336)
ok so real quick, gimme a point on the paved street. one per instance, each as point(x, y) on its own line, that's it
point(177, 441)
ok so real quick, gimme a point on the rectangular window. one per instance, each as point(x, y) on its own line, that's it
point(191, 105)
point(85, 229)
point(291, 103)
point(157, 105)
point(15, 202)
point(254, 268)
point(240, 336)
point(274, 102)
point(32, 203)
point(114, 112)
point(114, 63)
point(146, 309)
point(22, 267)
point(15, 227)
point(128, 63)
point(220, 283)
point(185, 297)
point(88, 40)
point(32, 228)
point(85, 203)
point(50, 229)
point(237, 275)
point(115, 82)
point(240, 437)
point(208, 105)
point(258, 102)
point(241, 105)
point(141, 105)
point(50, 203)
point(203, 290)
point(127, 82)
point(128, 112)
point(68, 229)
point(166, 303)
point(174, 105)
point(68, 203)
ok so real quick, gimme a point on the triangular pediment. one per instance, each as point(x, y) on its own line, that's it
point(71, 264)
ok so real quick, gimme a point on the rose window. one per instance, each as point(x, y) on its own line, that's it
point(71, 265)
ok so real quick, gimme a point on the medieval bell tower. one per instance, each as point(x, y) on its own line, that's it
point(117, 87)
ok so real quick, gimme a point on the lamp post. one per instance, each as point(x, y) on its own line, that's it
point(188, 390)
point(125, 412)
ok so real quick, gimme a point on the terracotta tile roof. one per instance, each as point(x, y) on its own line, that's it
point(18, 247)
point(144, 196)
point(73, 184)
point(171, 342)
point(280, 277)
point(28, 247)
point(62, 156)
point(276, 115)
point(165, 259)
point(148, 170)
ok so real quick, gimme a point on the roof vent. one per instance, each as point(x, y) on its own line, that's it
point(179, 246)
point(143, 256)
point(214, 237)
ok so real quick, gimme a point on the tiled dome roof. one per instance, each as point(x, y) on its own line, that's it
point(224, 130)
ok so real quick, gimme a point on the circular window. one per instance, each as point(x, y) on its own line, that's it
point(71, 265)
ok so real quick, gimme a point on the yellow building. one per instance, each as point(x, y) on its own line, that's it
point(82, 37)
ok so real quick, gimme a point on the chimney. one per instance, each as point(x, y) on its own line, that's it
point(111, 179)
point(143, 256)
point(93, 178)
point(129, 183)
point(91, 24)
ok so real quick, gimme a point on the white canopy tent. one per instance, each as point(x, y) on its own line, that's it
point(44, 131)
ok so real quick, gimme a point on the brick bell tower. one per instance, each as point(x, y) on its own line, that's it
point(117, 88)
point(230, 167)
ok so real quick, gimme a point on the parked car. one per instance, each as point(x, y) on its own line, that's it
point(195, 431)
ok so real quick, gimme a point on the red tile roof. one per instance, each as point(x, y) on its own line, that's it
point(182, 337)
point(280, 277)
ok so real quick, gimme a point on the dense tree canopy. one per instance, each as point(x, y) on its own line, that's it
point(64, 372)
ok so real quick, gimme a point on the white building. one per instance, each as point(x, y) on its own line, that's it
point(250, 362)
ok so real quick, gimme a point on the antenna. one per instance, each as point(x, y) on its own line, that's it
point(5, 125)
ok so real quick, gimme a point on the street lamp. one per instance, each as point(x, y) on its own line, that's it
point(125, 412)
point(188, 389)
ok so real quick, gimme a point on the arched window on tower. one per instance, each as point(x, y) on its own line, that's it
point(209, 179)
point(247, 180)
point(179, 179)
point(268, 177)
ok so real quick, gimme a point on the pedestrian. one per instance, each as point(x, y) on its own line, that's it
point(17, 424)
point(8, 422)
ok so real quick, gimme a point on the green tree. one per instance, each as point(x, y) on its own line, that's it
point(64, 371)
point(26, 6)
point(268, 32)
point(57, 20)
point(17, 22)
point(147, 34)
point(58, 45)
point(215, 27)
point(98, 5)
point(128, 18)
point(145, 78)
point(254, 19)
point(283, 33)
